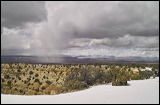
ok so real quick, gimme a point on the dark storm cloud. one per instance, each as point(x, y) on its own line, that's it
point(18, 13)
point(108, 19)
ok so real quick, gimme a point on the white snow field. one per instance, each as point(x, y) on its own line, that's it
point(139, 92)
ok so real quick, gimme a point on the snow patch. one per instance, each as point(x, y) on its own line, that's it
point(139, 92)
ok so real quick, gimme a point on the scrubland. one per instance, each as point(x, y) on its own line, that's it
point(50, 79)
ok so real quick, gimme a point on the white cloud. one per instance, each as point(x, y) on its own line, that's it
point(123, 46)
point(127, 41)
point(106, 51)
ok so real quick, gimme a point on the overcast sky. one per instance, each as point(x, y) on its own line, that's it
point(91, 28)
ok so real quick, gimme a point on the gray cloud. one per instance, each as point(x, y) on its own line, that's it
point(67, 20)
point(80, 25)
point(18, 13)
point(126, 41)
point(107, 19)
point(14, 39)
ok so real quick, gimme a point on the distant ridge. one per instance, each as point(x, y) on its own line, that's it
point(63, 59)
point(114, 57)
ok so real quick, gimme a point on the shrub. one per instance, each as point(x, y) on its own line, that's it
point(120, 81)
point(18, 70)
point(6, 76)
point(9, 82)
point(49, 82)
point(53, 89)
point(28, 79)
point(16, 89)
point(40, 83)
point(31, 72)
point(21, 91)
point(43, 88)
point(3, 80)
point(19, 78)
point(75, 85)
point(36, 75)
point(25, 82)
point(135, 77)
point(44, 77)
point(36, 80)
point(28, 84)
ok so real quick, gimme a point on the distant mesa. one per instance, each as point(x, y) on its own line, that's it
point(80, 59)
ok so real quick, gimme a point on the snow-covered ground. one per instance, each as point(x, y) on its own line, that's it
point(139, 92)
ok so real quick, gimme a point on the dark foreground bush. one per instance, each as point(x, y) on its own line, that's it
point(135, 77)
point(75, 85)
point(120, 82)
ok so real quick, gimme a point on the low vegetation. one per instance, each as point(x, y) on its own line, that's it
point(38, 79)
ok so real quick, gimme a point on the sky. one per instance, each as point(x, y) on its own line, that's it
point(74, 28)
